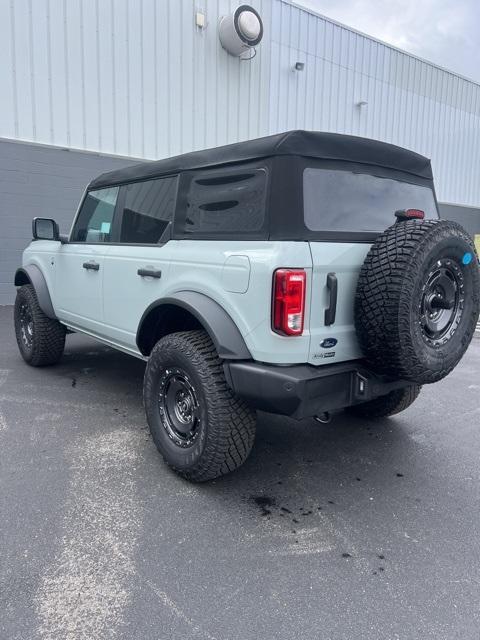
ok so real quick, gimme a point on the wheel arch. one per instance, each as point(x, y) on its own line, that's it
point(191, 310)
point(31, 274)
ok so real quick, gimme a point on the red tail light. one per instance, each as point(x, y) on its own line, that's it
point(288, 311)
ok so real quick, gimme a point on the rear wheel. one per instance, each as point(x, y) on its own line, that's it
point(199, 426)
point(40, 339)
point(388, 405)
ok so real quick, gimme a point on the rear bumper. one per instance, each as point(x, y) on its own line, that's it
point(302, 391)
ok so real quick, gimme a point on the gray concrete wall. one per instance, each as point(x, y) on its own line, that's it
point(37, 180)
point(468, 217)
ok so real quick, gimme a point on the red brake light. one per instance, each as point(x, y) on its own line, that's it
point(410, 214)
point(288, 311)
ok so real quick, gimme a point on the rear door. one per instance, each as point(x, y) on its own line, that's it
point(347, 210)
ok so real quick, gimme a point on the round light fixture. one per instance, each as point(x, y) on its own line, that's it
point(241, 30)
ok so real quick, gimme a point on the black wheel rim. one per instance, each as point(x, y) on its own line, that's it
point(442, 301)
point(179, 407)
point(26, 325)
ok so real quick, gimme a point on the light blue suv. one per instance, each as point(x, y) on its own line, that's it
point(300, 274)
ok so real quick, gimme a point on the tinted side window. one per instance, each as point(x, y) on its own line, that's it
point(226, 202)
point(147, 210)
point(94, 222)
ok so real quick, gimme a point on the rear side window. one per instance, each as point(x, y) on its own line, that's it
point(224, 202)
point(337, 200)
point(94, 222)
point(147, 210)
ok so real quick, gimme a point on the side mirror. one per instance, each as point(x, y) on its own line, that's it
point(45, 229)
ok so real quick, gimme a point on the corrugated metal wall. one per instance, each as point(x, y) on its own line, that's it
point(409, 102)
point(133, 77)
point(136, 77)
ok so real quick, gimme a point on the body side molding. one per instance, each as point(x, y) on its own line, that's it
point(31, 274)
point(215, 320)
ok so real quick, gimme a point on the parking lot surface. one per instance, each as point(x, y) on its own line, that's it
point(349, 530)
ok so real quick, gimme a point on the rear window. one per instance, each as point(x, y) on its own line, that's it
point(230, 201)
point(337, 200)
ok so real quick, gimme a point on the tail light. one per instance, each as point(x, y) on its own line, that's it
point(288, 312)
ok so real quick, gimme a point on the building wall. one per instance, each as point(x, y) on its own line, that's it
point(138, 78)
point(409, 102)
point(468, 217)
point(134, 77)
point(39, 181)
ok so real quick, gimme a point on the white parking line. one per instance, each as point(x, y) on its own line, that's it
point(83, 593)
point(3, 377)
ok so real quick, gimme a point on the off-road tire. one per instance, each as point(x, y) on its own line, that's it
point(47, 340)
point(389, 317)
point(388, 405)
point(227, 426)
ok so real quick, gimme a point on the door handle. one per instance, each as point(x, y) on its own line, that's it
point(92, 266)
point(149, 273)
point(332, 288)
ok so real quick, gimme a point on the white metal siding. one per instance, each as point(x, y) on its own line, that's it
point(136, 77)
point(132, 77)
point(410, 103)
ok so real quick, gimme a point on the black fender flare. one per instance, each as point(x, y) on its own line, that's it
point(223, 331)
point(31, 274)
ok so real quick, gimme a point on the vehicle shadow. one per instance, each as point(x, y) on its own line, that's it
point(306, 457)
point(297, 465)
point(348, 450)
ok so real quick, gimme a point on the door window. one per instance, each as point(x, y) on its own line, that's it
point(94, 222)
point(147, 210)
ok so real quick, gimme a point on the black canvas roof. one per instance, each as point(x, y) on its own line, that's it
point(309, 144)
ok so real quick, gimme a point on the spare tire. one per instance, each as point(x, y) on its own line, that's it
point(417, 300)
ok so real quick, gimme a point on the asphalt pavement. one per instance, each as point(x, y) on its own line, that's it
point(344, 531)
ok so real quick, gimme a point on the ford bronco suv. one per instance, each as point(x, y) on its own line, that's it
point(301, 274)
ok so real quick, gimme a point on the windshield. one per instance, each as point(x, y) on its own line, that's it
point(336, 200)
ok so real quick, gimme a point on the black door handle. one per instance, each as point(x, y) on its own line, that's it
point(150, 273)
point(332, 288)
point(93, 266)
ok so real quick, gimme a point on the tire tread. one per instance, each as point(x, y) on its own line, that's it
point(231, 424)
point(384, 296)
point(49, 334)
point(387, 405)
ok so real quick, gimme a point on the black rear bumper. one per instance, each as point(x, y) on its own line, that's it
point(302, 391)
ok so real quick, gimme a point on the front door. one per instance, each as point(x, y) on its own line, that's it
point(137, 266)
point(80, 263)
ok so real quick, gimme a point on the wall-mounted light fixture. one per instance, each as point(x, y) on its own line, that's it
point(200, 20)
point(241, 31)
point(361, 103)
point(298, 66)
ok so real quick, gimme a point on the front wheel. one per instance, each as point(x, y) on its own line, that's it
point(388, 405)
point(199, 426)
point(40, 339)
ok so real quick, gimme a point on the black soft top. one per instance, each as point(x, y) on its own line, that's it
point(307, 144)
